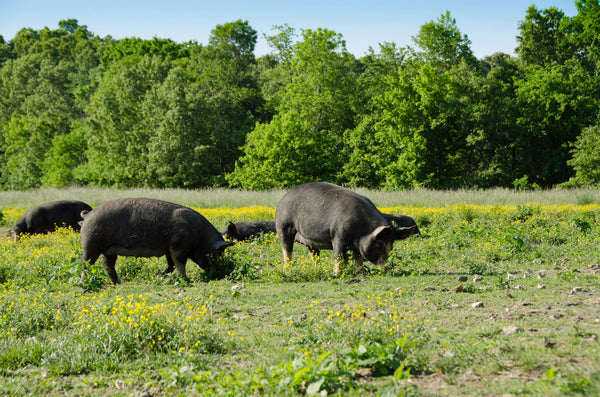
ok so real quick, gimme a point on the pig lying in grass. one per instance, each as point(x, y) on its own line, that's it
point(242, 231)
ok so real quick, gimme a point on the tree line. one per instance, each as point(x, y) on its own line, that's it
point(78, 109)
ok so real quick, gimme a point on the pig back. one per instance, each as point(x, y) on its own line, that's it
point(45, 217)
point(145, 223)
point(319, 210)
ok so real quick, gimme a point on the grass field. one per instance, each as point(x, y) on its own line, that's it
point(215, 198)
point(499, 296)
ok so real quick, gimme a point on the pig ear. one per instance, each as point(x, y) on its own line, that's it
point(383, 233)
point(404, 232)
point(231, 229)
point(221, 245)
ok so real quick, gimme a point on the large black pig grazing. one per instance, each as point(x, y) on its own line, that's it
point(45, 218)
point(321, 215)
point(147, 227)
point(245, 230)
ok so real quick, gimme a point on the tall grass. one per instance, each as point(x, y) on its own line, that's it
point(234, 198)
point(202, 198)
point(495, 196)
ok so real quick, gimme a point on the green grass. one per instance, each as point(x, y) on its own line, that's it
point(202, 198)
point(268, 329)
point(217, 197)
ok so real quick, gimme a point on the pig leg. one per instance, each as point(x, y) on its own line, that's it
point(288, 247)
point(287, 233)
point(358, 261)
point(88, 259)
point(181, 269)
point(338, 256)
point(287, 255)
point(170, 265)
point(109, 264)
point(180, 261)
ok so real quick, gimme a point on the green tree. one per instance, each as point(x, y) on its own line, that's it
point(586, 25)
point(67, 152)
point(47, 82)
point(423, 125)
point(279, 153)
point(304, 140)
point(67, 43)
point(497, 143)
point(274, 69)
point(18, 77)
point(237, 38)
point(586, 158)
point(27, 140)
point(38, 87)
point(555, 103)
point(163, 48)
point(178, 122)
point(5, 51)
point(116, 137)
point(178, 149)
point(377, 68)
point(24, 41)
point(282, 42)
point(427, 120)
point(442, 43)
point(364, 165)
point(227, 82)
point(545, 37)
point(44, 97)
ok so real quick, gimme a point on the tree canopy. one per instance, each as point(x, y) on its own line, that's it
point(79, 109)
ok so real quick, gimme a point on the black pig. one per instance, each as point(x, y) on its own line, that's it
point(45, 218)
point(394, 221)
point(245, 230)
point(321, 215)
point(402, 221)
point(147, 227)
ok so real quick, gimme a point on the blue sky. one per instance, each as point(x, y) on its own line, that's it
point(491, 25)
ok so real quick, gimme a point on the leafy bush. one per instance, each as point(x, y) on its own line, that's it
point(586, 158)
point(90, 277)
point(313, 373)
point(585, 221)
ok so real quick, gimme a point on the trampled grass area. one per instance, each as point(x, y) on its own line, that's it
point(490, 300)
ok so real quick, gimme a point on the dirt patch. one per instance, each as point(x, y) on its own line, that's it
point(466, 383)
